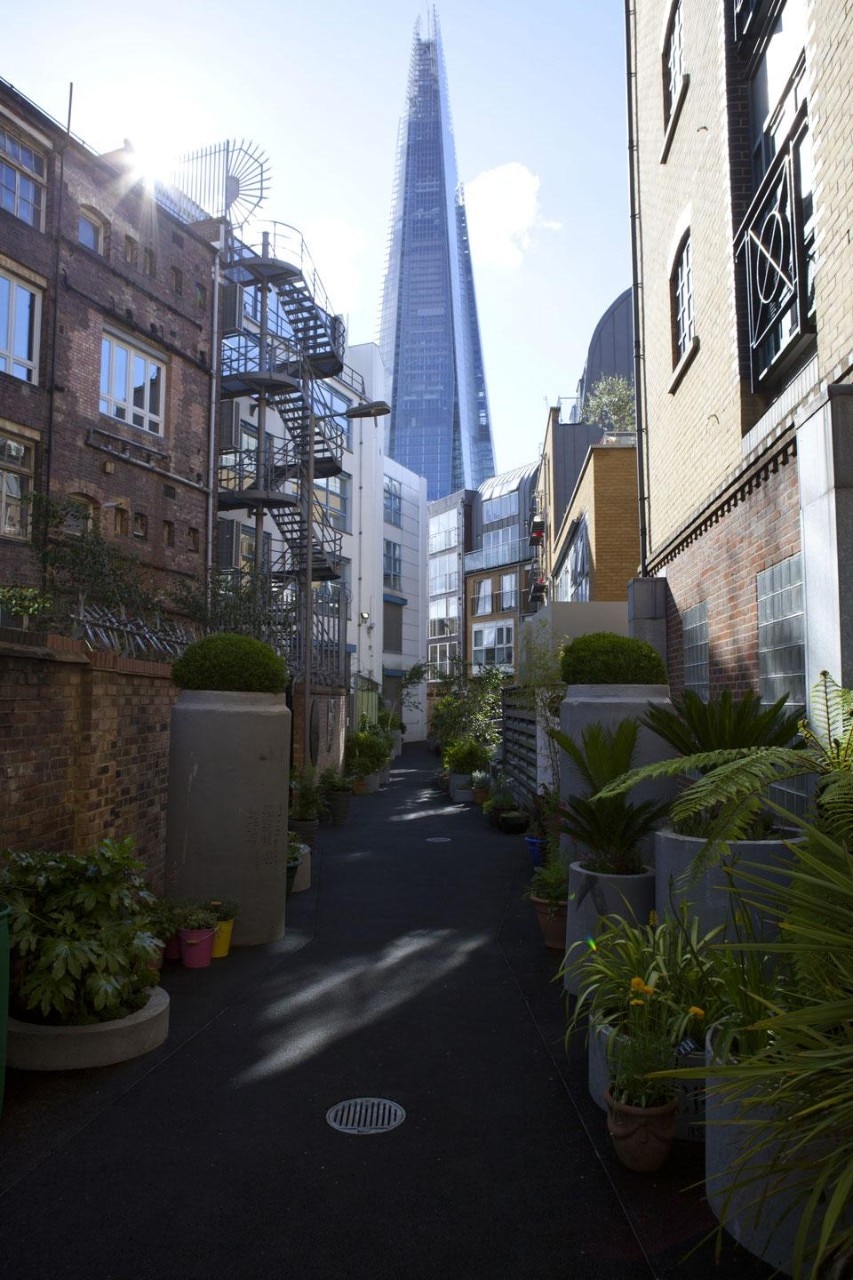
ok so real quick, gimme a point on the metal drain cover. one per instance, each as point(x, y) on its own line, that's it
point(365, 1115)
point(438, 839)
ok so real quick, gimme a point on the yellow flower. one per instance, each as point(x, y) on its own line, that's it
point(639, 1002)
point(696, 1012)
point(637, 984)
point(647, 991)
point(653, 919)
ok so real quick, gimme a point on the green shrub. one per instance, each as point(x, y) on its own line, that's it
point(464, 755)
point(365, 752)
point(81, 934)
point(602, 657)
point(227, 661)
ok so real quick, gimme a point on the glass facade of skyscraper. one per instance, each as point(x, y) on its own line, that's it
point(430, 341)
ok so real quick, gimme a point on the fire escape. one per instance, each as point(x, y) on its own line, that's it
point(281, 433)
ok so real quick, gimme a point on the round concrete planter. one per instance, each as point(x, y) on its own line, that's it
point(708, 895)
point(592, 894)
point(35, 1048)
point(226, 834)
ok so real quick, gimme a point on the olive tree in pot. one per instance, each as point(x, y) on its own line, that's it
point(228, 781)
point(83, 958)
point(606, 838)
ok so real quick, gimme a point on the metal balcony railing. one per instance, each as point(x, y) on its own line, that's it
point(516, 552)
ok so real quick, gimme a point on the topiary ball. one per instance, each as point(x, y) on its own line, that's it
point(229, 662)
point(602, 657)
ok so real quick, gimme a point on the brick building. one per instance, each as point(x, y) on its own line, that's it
point(741, 136)
point(106, 302)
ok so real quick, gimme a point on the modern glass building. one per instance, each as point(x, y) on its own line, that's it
point(430, 338)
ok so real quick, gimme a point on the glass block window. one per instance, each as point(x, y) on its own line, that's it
point(694, 629)
point(782, 652)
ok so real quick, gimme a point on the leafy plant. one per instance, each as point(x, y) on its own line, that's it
point(602, 657)
point(24, 603)
point(81, 933)
point(296, 850)
point(224, 908)
point(549, 882)
point(645, 1048)
point(480, 779)
point(608, 832)
point(468, 707)
point(670, 957)
point(231, 662)
point(611, 404)
point(795, 1091)
point(464, 755)
point(331, 779)
point(199, 915)
point(365, 751)
point(305, 805)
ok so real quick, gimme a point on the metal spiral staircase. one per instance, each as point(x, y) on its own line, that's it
point(280, 342)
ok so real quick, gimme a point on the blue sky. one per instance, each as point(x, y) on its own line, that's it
point(537, 95)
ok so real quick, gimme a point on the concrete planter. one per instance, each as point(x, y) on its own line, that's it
point(690, 1115)
point(31, 1047)
point(708, 895)
point(460, 788)
point(228, 806)
point(593, 894)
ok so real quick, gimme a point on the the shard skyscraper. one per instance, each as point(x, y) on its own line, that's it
point(430, 338)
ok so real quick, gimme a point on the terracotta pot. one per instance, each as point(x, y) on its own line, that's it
point(642, 1136)
point(552, 922)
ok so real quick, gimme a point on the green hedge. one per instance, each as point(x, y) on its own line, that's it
point(602, 657)
point(226, 661)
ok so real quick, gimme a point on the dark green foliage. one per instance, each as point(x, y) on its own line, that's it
point(81, 934)
point(608, 832)
point(226, 661)
point(365, 752)
point(305, 804)
point(549, 882)
point(469, 707)
point(692, 725)
point(224, 908)
point(602, 657)
point(464, 755)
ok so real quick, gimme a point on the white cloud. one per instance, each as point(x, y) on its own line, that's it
point(502, 207)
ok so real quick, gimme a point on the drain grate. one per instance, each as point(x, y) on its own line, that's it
point(365, 1115)
point(438, 839)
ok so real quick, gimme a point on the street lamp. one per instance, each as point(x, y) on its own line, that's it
point(367, 409)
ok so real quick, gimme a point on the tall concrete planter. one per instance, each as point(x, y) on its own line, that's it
point(608, 705)
point(226, 835)
point(593, 894)
point(708, 894)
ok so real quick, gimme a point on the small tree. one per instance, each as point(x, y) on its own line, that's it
point(611, 404)
point(469, 706)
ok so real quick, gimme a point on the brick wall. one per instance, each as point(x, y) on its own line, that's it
point(720, 567)
point(84, 747)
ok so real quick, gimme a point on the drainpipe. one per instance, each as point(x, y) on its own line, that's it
point(212, 443)
point(636, 256)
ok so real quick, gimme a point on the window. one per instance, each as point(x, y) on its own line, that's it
point(483, 597)
point(443, 531)
point(193, 539)
point(121, 522)
point(443, 617)
point(501, 508)
point(332, 496)
point(20, 315)
point(694, 630)
point(131, 251)
point(776, 89)
point(782, 653)
point(148, 263)
point(673, 63)
point(21, 179)
point(393, 501)
point(16, 480)
point(392, 627)
point(392, 565)
point(683, 325)
point(168, 533)
point(509, 591)
point(200, 296)
point(177, 280)
point(90, 233)
point(492, 646)
point(443, 574)
point(131, 386)
point(140, 526)
point(441, 658)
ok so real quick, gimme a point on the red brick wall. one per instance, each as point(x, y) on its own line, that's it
point(720, 567)
point(84, 749)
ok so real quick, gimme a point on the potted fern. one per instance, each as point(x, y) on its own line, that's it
point(547, 893)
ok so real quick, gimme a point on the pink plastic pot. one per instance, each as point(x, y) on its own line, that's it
point(196, 947)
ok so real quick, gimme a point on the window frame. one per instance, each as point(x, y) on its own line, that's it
point(9, 327)
point(392, 565)
point(22, 472)
point(96, 222)
point(392, 501)
point(152, 421)
point(14, 165)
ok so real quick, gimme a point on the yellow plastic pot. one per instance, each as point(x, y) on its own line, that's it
point(222, 939)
